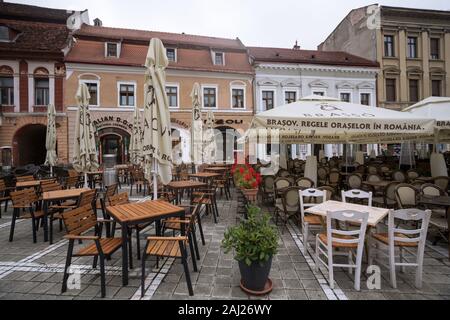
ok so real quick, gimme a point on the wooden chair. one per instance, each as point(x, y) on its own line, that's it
point(354, 181)
point(358, 196)
point(309, 222)
point(4, 195)
point(388, 200)
point(24, 178)
point(403, 239)
point(442, 182)
point(102, 201)
point(267, 188)
point(77, 222)
point(399, 176)
point(305, 183)
point(290, 205)
point(207, 197)
point(138, 180)
point(25, 199)
point(406, 196)
point(352, 240)
point(172, 247)
point(322, 176)
point(72, 182)
point(412, 174)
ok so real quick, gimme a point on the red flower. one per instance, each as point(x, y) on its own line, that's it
point(241, 170)
point(248, 177)
point(255, 185)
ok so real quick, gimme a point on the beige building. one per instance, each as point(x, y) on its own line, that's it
point(412, 47)
point(111, 62)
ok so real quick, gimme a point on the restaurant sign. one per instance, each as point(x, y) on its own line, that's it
point(113, 122)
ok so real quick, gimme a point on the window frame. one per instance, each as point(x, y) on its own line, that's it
point(97, 82)
point(174, 54)
point(417, 81)
point(125, 83)
point(223, 58)
point(440, 87)
point(244, 92)
point(263, 107)
point(385, 48)
point(10, 90)
point(291, 90)
point(395, 90)
point(438, 57)
point(216, 88)
point(35, 88)
point(117, 44)
point(409, 47)
point(8, 34)
point(350, 95)
point(322, 92)
point(370, 98)
point(177, 86)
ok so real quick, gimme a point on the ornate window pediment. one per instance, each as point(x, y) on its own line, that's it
point(345, 85)
point(391, 70)
point(318, 84)
point(365, 85)
point(6, 70)
point(290, 83)
point(41, 71)
point(268, 82)
point(414, 72)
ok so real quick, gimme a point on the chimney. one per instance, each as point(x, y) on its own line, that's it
point(98, 22)
point(296, 46)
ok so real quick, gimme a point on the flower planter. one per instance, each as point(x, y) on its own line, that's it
point(255, 278)
point(250, 194)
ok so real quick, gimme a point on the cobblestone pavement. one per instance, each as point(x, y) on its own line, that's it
point(34, 271)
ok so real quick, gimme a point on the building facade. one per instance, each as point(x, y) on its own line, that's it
point(412, 47)
point(284, 76)
point(111, 62)
point(32, 72)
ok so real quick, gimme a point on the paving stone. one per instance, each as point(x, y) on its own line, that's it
point(296, 294)
point(222, 292)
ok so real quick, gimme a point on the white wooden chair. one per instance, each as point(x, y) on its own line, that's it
point(402, 239)
point(351, 240)
point(358, 195)
point(310, 221)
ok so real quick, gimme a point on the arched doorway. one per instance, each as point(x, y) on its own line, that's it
point(227, 146)
point(29, 145)
point(114, 141)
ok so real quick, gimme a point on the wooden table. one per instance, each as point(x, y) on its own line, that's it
point(217, 169)
point(185, 185)
point(91, 175)
point(205, 176)
point(377, 184)
point(58, 195)
point(28, 184)
point(440, 201)
point(376, 215)
point(139, 213)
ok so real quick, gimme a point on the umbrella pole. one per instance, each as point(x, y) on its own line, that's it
point(155, 180)
point(51, 171)
point(86, 180)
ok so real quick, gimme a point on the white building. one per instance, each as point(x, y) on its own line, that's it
point(285, 75)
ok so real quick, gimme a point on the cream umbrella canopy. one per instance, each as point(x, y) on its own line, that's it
point(210, 146)
point(135, 149)
point(157, 143)
point(85, 156)
point(197, 125)
point(50, 140)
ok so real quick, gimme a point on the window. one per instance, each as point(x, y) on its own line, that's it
point(209, 98)
point(237, 98)
point(172, 96)
point(6, 157)
point(267, 100)
point(319, 93)
point(391, 90)
point(41, 91)
point(412, 47)
point(290, 96)
point(171, 54)
point(435, 48)
point(218, 58)
point(126, 95)
point(345, 96)
point(4, 33)
point(111, 50)
point(93, 91)
point(6, 91)
point(365, 99)
point(413, 90)
point(436, 86)
point(389, 46)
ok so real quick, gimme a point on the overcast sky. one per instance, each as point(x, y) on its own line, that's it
point(270, 23)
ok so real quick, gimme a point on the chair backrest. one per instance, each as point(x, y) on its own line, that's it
point(418, 183)
point(79, 220)
point(111, 190)
point(87, 197)
point(2, 186)
point(305, 183)
point(23, 198)
point(357, 194)
point(24, 178)
point(441, 182)
point(322, 173)
point(291, 199)
point(53, 186)
point(268, 183)
point(281, 183)
point(347, 236)
point(417, 235)
point(390, 190)
point(334, 177)
point(429, 189)
point(354, 181)
point(361, 169)
point(283, 173)
point(315, 196)
point(330, 192)
point(72, 182)
point(373, 178)
point(406, 195)
point(384, 169)
point(399, 176)
point(372, 170)
point(118, 199)
point(412, 174)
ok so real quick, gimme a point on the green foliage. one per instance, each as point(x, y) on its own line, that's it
point(254, 239)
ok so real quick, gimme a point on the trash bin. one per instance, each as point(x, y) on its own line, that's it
point(109, 171)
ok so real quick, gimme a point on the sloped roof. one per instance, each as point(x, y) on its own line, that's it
point(33, 13)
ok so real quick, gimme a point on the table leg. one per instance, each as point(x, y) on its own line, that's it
point(45, 208)
point(124, 254)
point(448, 230)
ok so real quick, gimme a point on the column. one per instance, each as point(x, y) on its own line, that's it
point(23, 85)
point(403, 85)
point(425, 65)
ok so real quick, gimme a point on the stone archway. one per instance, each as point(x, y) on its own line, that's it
point(29, 145)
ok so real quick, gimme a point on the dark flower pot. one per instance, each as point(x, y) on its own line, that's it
point(255, 276)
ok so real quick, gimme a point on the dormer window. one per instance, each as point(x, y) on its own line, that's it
point(112, 50)
point(4, 33)
point(171, 54)
point(219, 58)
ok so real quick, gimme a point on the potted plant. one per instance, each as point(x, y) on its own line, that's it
point(247, 180)
point(255, 242)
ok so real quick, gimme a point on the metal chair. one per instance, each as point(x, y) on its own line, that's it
point(290, 205)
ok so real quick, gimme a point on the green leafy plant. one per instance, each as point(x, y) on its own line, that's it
point(254, 239)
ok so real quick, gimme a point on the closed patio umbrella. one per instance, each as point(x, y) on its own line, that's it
point(157, 143)
point(50, 140)
point(135, 149)
point(197, 126)
point(209, 148)
point(85, 156)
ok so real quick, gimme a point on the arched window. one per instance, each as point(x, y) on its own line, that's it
point(41, 87)
point(6, 86)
